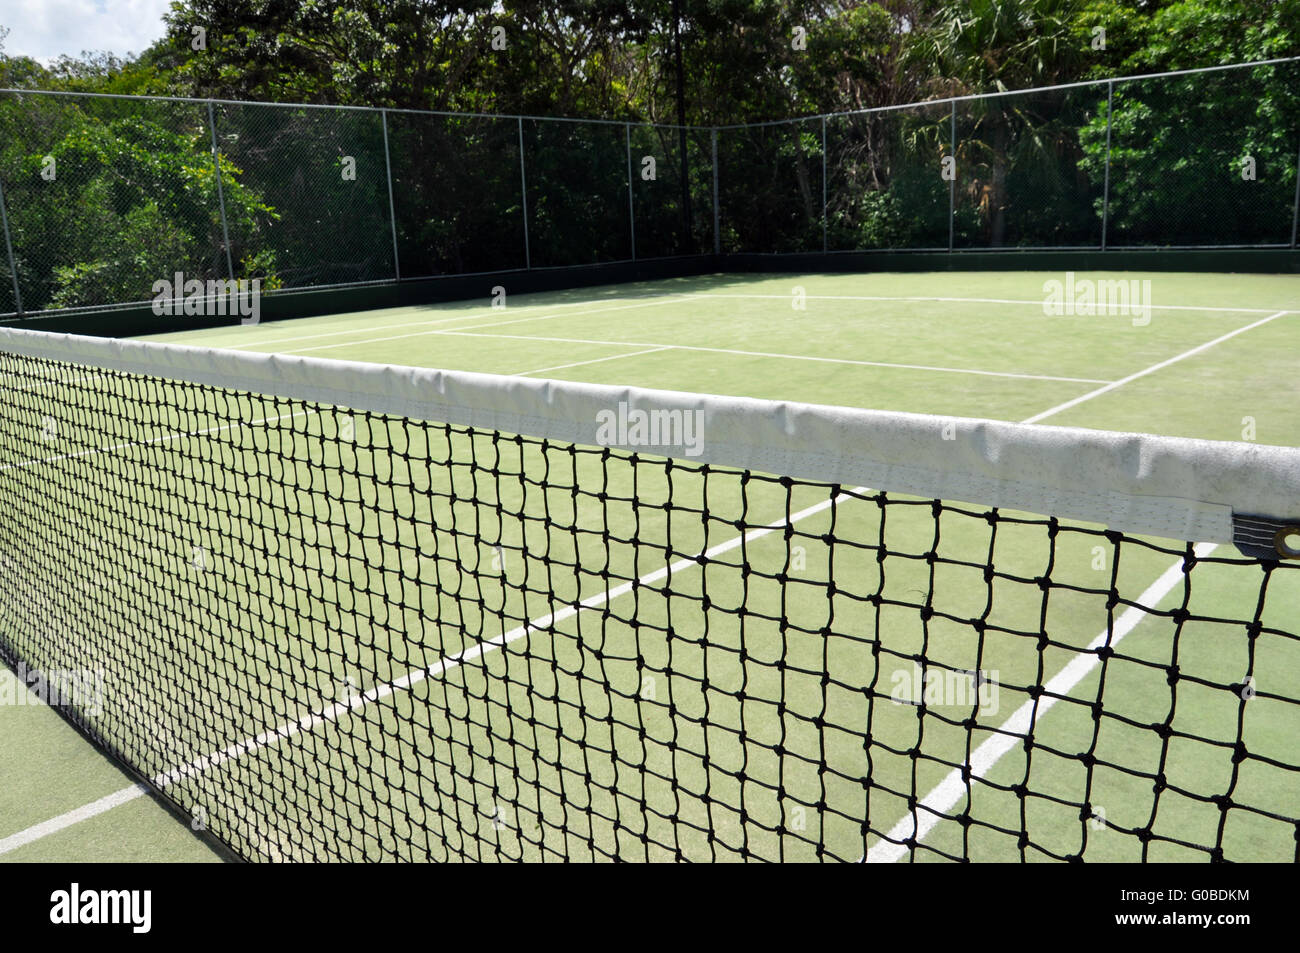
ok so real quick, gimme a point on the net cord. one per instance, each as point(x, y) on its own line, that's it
point(1176, 488)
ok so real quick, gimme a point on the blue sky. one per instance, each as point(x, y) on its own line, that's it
point(43, 29)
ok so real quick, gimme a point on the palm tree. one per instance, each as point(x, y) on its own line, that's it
point(980, 46)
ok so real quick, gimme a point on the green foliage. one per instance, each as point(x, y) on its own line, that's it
point(142, 242)
point(987, 45)
point(1177, 143)
point(1125, 27)
point(137, 188)
point(886, 220)
point(1192, 33)
point(1177, 151)
point(322, 228)
point(261, 265)
point(132, 200)
point(770, 194)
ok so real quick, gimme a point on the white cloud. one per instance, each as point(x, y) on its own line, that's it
point(44, 29)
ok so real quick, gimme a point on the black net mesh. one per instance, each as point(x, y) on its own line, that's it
point(330, 634)
point(321, 214)
point(577, 192)
point(106, 196)
point(1182, 148)
point(1021, 180)
point(770, 187)
point(884, 184)
point(458, 194)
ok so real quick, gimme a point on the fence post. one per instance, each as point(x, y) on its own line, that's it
point(9, 250)
point(221, 195)
point(687, 242)
point(952, 183)
point(1295, 211)
point(1105, 193)
point(631, 213)
point(824, 244)
point(523, 194)
point(717, 234)
point(392, 211)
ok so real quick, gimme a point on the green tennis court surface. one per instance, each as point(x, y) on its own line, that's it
point(721, 708)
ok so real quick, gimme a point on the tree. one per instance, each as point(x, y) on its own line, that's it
point(104, 198)
point(1179, 145)
point(557, 58)
point(1001, 45)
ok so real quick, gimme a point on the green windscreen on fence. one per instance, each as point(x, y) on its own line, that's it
point(322, 215)
point(457, 193)
point(885, 188)
point(1022, 179)
point(577, 192)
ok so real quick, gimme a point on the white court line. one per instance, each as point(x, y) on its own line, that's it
point(1150, 370)
point(648, 300)
point(288, 729)
point(771, 354)
point(951, 788)
point(320, 335)
point(472, 329)
point(1037, 302)
point(493, 324)
point(1012, 732)
point(594, 360)
point(75, 816)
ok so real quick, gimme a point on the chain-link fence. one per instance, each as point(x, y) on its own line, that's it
point(1195, 159)
point(102, 197)
point(672, 215)
point(307, 200)
point(771, 191)
point(884, 189)
point(105, 196)
point(8, 279)
point(1019, 180)
point(1204, 159)
point(457, 194)
point(577, 189)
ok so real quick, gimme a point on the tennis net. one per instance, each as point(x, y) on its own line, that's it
point(362, 612)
